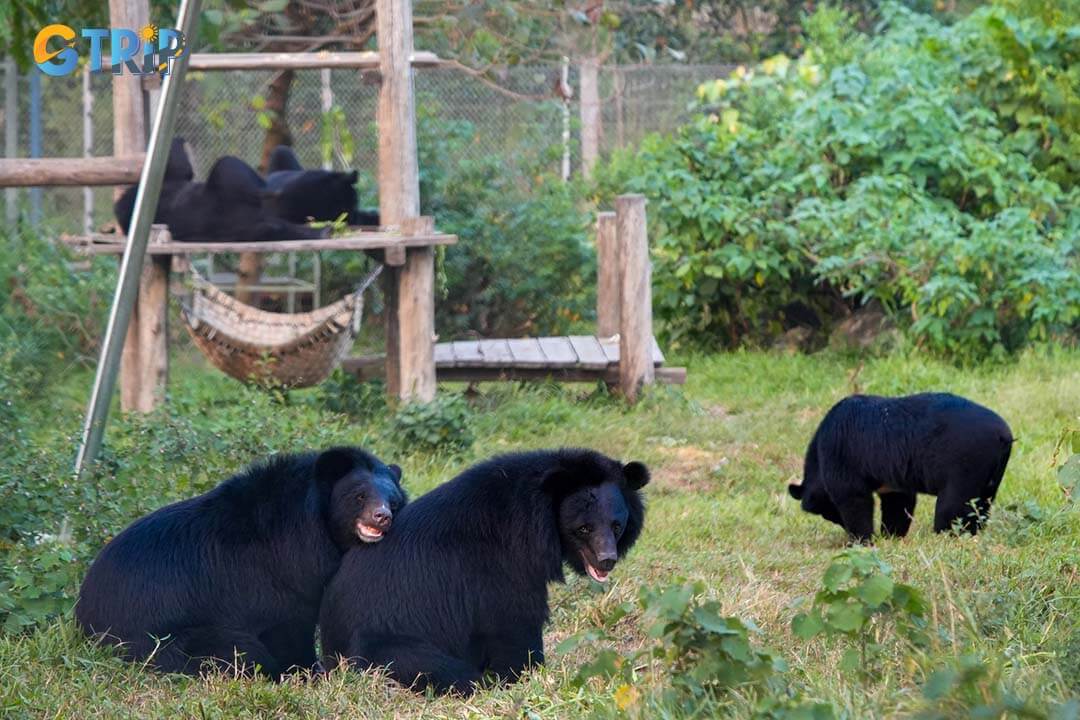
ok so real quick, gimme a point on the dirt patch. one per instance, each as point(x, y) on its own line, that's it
point(689, 468)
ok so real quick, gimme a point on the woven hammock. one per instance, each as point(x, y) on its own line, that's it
point(290, 350)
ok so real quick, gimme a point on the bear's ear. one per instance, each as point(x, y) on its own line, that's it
point(395, 472)
point(557, 482)
point(636, 474)
point(334, 464)
point(795, 491)
point(352, 177)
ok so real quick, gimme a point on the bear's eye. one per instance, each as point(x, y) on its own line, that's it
point(360, 497)
point(584, 530)
point(616, 528)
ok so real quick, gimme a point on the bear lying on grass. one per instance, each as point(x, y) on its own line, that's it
point(459, 589)
point(933, 443)
point(236, 575)
point(233, 205)
point(299, 195)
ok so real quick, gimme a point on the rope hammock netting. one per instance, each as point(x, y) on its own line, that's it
point(290, 350)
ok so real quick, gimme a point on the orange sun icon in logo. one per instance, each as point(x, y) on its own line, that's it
point(149, 33)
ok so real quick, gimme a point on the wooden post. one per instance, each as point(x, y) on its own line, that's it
point(590, 115)
point(608, 285)
point(635, 333)
point(410, 297)
point(144, 361)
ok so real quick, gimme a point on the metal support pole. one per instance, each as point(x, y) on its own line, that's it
point(127, 286)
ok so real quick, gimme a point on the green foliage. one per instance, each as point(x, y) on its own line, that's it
point(523, 264)
point(973, 687)
point(343, 393)
point(857, 599)
point(702, 653)
point(443, 424)
point(1068, 472)
point(931, 168)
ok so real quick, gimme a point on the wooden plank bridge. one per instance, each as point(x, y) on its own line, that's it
point(573, 358)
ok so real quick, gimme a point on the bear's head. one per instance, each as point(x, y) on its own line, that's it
point(363, 494)
point(815, 500)
point(599, 510)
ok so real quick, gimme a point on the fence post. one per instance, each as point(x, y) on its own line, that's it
point(608, 290)
point(590, 114)
point(564, 91)
point(88, 148)
point(635, 333)
point(35, 142)
point(410, 296)
point(11, 132)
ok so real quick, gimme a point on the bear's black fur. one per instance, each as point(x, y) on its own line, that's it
point(233, 205)
point(933, 443)
point(459, 589)
point(239, 570)
point(299, 194)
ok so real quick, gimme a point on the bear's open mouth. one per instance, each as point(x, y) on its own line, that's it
point(596, 574)
point(368, 533)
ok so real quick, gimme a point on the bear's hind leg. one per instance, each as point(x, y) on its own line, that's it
point(228, 649)
point(417, 664)
point(509, 653)
point(292, 643)
point(897, 510)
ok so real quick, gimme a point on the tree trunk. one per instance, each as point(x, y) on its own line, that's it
point(277, 101)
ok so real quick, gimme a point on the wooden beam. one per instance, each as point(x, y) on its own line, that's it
point(608, 284)
point(145, 356)
point(409, 290)
point(144, 359)
point(114, 244)
point(635, 333)
point(589, 111)
point(367, 60)
point(374, 366)
point(90, 171)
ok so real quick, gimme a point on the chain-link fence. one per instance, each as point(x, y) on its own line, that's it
point(517, 111)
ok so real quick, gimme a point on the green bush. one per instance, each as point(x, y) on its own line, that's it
point(442, 424)
point(931, 167)
point(524, 264)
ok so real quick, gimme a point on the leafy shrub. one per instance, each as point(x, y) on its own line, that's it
point(523, 263)
point(443, 424)
point(857, 598)
point(701, 654)
point(343, 393)
point(973, 687)
point(1068, 472)
point(930, 167)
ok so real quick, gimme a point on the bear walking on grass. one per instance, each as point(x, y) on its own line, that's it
point(459, 589)
point(932, 443)
point(235, 576)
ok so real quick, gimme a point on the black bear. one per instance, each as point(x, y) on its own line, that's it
point(459, 589)
point(233, 205)
point(299, 195)
point(239, 571)
point(933, 443)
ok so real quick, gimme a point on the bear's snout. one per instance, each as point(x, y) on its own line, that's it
point(373, 524)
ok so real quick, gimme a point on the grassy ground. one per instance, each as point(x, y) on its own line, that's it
point(722, 451)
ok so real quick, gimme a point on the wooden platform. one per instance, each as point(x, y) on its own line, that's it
point(110, 244)
point(582, 358)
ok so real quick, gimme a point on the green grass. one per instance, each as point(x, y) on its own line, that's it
point(722, 451)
